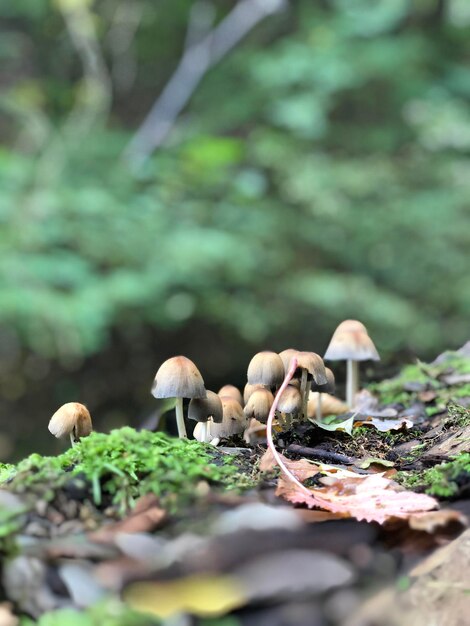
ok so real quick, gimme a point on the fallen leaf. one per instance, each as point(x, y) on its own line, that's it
point(336, 423)
point(371, 497)
point(146, 516)
point(202, 595)
point(366, 463)
point(383, 425)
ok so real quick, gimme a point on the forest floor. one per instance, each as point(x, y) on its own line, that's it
point(138, 528)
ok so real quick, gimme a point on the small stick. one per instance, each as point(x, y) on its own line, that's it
point(269, 429)
point(322, 455)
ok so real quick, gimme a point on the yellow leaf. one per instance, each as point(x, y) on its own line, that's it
point(205, 596)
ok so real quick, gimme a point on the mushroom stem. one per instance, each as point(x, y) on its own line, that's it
point(180, 419)
point(72, 439)
point(352, 381)
point(304, 394)
point(215, 441)
point(204, 432)
point(319, 407)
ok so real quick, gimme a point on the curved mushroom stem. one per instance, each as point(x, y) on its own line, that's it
point(352, 381)
point(319, 403)
point(72, 439)
point(180, 419)
point(304, 394)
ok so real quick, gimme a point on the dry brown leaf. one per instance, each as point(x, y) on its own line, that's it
point(146, 516)
point(371, 497)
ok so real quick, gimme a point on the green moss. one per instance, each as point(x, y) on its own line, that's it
point(125, 464)
point(442, 480)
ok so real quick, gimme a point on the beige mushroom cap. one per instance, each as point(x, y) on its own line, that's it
point(201, 409)
point(314, 365)
point(232, 392)
point(71, 418)
point(259, 404)
point(266, 368)
point(350, 341)
point(290, 401)
point(178, 377)
point(249, 389)
point(329, 386)
point(286, 356)
point(234, 421)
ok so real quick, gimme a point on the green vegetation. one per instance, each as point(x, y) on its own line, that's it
point(442, 480)
point(126, 464)
point(110, 613)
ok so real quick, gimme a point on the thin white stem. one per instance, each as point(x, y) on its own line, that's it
point(352, 381)
point(304, 394)
point(180, 419)
point(269, 429)
point(319, 407)
point(204, 432)
point(72, 439)
point(215, 441)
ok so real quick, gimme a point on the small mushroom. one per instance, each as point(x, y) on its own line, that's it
point(71, 419)
point(328, 388)
point(351, 343)
point(249, 389)
point(178, 378)
point(290, 401)
point(232, 392)
point(204, 409)
point(259, 404)
point(330, 405)
point(311, 367)
point(233, 422)
point(266, 368)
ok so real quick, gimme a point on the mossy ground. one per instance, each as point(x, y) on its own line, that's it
point(125, 464)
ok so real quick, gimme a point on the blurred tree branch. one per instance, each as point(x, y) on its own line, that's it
point(197, 59)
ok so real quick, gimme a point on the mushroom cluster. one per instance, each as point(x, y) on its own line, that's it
point(229, 412)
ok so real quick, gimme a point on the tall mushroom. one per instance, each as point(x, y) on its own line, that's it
point(204, 409)
point(71, 419)
point(178, 378)
point(351, 343)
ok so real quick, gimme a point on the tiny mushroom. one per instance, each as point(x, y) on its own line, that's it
point(233, 423)
point(71, 419)
point(266, 368)
point(258, 405)
point(232, 392)
point(204, 409)
point(290, 404)
point(327, 388)
point(350, 342)
point(178, 378)
point(330, 405)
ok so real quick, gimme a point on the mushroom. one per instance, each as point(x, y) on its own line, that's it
point(329, 405)
point(204, 409)
point(286, 355)
point(311, 367)
point(71, 419)
point(232, 391)
point(328, 388)
point(266, 368)
point(249, 389)
point(290, 404)
point(178, 378)
point(258, 405)
point(350, 342)
point(233, 421)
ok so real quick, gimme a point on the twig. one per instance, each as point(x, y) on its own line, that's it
point(319, 453)
point(197, 59)
point(269, 429)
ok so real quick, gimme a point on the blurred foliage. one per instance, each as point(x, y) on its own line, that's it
point(319, 172)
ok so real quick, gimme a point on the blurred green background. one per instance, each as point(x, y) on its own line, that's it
point(319, 171)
